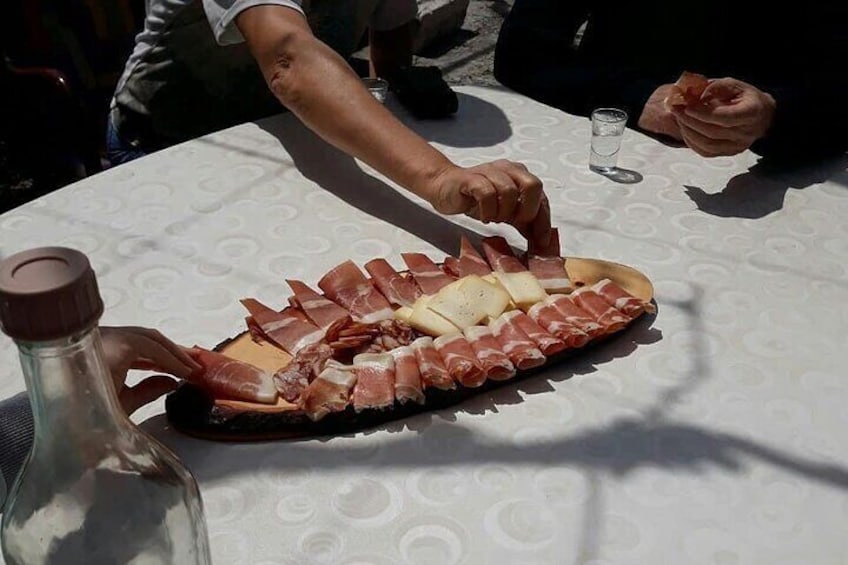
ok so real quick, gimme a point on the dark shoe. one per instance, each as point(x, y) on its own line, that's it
point(424, 92)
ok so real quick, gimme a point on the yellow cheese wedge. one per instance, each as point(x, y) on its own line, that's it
point(491, 278)
point(523, 287)
point(468, 302)
point(403, 313)
point(491, 298)
point(425, 320)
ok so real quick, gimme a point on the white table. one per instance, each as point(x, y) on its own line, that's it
point(717, 434)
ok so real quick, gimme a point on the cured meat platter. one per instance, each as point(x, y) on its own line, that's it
point(367, 348)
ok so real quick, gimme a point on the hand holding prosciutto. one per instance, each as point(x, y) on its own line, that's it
point(731, 117)
point(128, 348)
point(500, 191)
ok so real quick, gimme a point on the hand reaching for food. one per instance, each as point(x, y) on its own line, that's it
point(500, 191)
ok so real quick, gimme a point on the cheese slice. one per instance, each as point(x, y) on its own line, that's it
point(403, 313)
point(489, 297)
point(491, 278)
point(468, 302)
point(425, 320)
point(523, 287)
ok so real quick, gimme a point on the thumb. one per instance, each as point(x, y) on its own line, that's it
point(148, 390)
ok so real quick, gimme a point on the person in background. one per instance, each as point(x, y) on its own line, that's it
point(777, 85)
point(201, 66)
point(124, 348)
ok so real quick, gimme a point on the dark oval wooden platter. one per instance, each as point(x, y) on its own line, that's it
point(194, 412)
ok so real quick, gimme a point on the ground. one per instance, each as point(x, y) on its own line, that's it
point(465, 58)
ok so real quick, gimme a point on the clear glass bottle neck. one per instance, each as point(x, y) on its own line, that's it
point(70, 388)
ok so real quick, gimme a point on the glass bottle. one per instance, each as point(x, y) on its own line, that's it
point(95, 489)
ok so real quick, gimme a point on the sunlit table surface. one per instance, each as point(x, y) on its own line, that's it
point(715, 433)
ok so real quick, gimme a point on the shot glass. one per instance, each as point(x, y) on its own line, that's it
point(607, 130)
point(378, 88)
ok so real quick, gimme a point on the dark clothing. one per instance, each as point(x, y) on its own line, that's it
point(628, 49)
point(15, 436)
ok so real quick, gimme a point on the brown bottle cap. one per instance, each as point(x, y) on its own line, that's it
point(48, 293)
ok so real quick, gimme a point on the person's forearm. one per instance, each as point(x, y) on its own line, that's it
point(325, 94)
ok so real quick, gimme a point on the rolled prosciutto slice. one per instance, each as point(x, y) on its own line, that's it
point(429, 277)
point(470, 262)
point(224, 377)
point(548, 266)
point(396, 288)
point(500, 255)
point(293, 379)
point(522, 350)
point(320, 310)
point(289, 329)
point(494, 362)
point(431, 366)
point(346, 285)
point(548, 343)
point(460, 360)
point(329, 392)
point(375, 381)
point(576, 315)
point(407, 377)
point(546, 315)
point(611, 319)
point(451, 266)
point(621, 299)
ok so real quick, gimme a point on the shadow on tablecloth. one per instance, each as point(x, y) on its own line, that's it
point(341, 175)
point(761, 190)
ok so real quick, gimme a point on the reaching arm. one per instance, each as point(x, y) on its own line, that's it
point(323, 92)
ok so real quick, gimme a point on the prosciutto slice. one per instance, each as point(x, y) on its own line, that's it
point(451, 266)
point(522, 350)
point(548, 266)
point(431, 366)
point(429, 277)
point(375, 381)
point(622, 300)
point(289, 329)
point(293, 379)
point(546, 315)
point(500, 255)
point(494, 362)
point(396, 288)
point(611, 319)
point(407, 377)
point(576, 315)
point(346, 285)
point(321, 311)
point(547, 343)
point(224, 377)
point(460, 360)
point(470, 262)
point(329, 392)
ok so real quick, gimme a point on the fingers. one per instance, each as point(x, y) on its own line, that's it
point(145, 392)
point(712, 131)
point(144, 348)
point(708, 147)
point(485, 195)
point(529, 188)
point(538, 231)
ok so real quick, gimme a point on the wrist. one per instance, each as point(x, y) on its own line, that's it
point(427, 179)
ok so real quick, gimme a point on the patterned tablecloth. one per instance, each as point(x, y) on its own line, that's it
point(711, 434)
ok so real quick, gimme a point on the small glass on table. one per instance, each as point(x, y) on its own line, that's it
point(607, 130)
point(378, 88)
